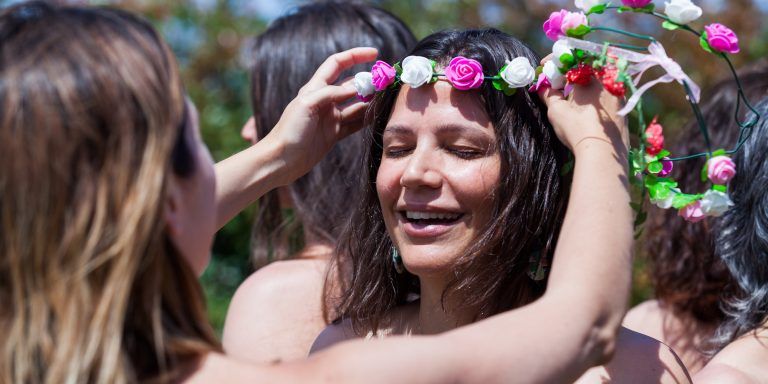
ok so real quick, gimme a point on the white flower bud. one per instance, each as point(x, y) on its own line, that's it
point(417, 71)
point(364, 84)
point(556, 79)
point(560, 48)
point(518, 73)
point(682, 11)
point(586, 5)
point(715, 203)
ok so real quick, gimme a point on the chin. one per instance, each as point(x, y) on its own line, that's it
point(427, 260)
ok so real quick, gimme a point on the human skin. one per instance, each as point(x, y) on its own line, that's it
point(572, 327)
point(686, 336)
point(743, 361)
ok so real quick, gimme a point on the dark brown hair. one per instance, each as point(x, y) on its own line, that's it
point(92, 125)
point(528, 204)
point(685, 272)
point(284, 58)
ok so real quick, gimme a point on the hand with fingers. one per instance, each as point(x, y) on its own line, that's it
point(588, 113)
point(320, 115)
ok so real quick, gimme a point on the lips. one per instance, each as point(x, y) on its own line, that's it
point(425, 224)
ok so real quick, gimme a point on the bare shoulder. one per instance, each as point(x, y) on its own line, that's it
point(743, 361)
point(646, 317)
point(277, 311)
point(639, 359)
point(332, 334)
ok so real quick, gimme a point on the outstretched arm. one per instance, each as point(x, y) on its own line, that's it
point(309, 127)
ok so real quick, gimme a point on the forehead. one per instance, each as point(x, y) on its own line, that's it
point(437, 105)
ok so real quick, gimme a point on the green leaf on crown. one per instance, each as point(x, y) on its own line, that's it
point(670, 25)
point(655, 167)
point(680, 200)
point(705, 43)
point(567, 59)
point(578, 32)
point(597, 9)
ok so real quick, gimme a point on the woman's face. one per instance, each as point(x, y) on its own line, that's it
point(439, 169)
point(193, 218)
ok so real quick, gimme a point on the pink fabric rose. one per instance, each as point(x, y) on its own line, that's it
point(464, 73)
point(636, 3)
point(553, 27)
point(383, 75)
point(573, 20)
point(720, 169)
point(722, 38)
point(666, 167)
point(541, 83)
point(692, 212)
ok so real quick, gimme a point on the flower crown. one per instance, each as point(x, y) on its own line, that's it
point(620, 67)
point(461, 72)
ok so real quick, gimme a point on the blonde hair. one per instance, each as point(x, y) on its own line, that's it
point(91, 126)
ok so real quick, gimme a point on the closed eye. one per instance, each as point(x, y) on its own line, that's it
point(396, 152)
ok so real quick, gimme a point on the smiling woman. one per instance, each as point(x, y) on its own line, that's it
point(464, 190)
point(436, 150)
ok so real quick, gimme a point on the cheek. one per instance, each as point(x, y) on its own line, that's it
point(474, 184)
point(388, 182)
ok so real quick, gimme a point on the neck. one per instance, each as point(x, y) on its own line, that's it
point(315, 248)
point(433, 316)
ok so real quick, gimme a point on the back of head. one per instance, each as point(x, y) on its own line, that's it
point(741, 237)
point(528, 203)
point(91, 125)
point(284, 58)
point(686, 273)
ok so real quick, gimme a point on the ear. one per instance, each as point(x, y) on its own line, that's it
point(172, 213)
point(248, 132)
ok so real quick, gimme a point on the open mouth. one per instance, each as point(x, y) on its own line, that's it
point(431, 218)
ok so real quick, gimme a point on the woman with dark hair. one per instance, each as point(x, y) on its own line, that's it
point(108, 203)
point(462, 207)
point(741, 241)
point(299, 246)
point(690, 281)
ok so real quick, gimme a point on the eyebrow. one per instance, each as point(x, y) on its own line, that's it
point(403, 130)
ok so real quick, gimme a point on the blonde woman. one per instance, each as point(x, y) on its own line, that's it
point(109, 200)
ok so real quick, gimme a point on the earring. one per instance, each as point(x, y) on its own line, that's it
point(538, 265)
point(397, 260)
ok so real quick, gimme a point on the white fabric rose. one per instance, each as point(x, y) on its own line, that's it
point(417, 71)
point(556, 79)
point(586, 5)
point(682, 11)
point(666, 203)
point(715, 203)
point(364, 84)
point(561, 47)
point(518, 73)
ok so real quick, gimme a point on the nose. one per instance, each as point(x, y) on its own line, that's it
point(248, 132)
point(422, 170)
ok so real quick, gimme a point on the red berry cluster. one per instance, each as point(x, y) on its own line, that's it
point(654, 138)
point(608, 76)
point(580, 74)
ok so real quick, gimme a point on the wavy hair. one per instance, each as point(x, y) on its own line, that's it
point(528, 209)
point(741, 237)
point(284, 58)
point(686, 272)
point(92, 125)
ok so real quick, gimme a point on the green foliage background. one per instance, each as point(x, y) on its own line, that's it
point(207, 36)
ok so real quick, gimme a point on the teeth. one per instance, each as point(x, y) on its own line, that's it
point(415, 215)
